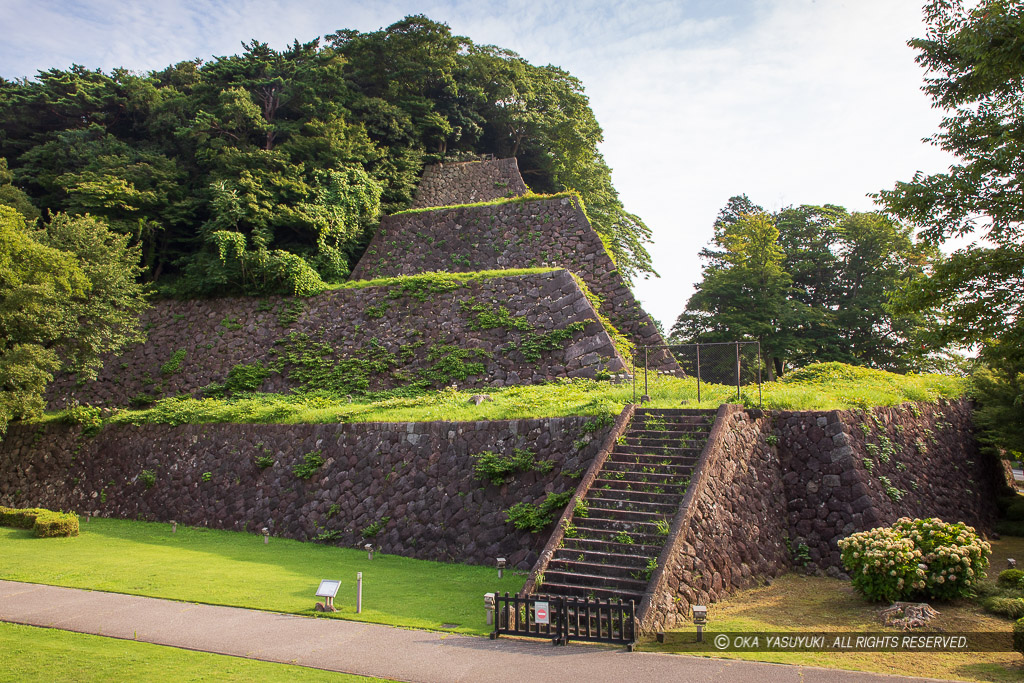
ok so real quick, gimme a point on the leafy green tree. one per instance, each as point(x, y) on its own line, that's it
point(974, 55)
point(68, 294)
point(744, 293)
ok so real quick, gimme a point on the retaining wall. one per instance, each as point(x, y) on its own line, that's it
point(416, 479)
point(517, 234)
point(373, 324)
point(773, 492)
point(468, 182)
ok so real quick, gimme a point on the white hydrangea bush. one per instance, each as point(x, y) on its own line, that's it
point(916, 559)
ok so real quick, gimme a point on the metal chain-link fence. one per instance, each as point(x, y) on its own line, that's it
point(735, 364)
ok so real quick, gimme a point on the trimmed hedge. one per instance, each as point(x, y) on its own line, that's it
point(44, 523)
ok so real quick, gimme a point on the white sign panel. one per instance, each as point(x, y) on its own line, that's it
point(328, 588)
point(540, 613)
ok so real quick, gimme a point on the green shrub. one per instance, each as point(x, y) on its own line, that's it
point(915, 559)
point(1018, 636)
point(1012, 508)
point(1010, 578)
point(173, 365)
point(264, 461)
point(499, 468)
point(1004, 606)
point(148, 478)
point(529, 517)
point(1008, 528)
point(44, 523)
point(375, 528)
point(51, 524)
point(311, 462)
point(90, 417)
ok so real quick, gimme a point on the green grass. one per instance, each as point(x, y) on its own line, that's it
point(528, 197)
point(824, 386)
point(460, 278)
point(237, 569)
point(41, 654)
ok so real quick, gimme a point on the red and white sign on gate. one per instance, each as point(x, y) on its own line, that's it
point(540, 613)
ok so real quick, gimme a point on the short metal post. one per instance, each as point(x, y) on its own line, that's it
point(359, 592)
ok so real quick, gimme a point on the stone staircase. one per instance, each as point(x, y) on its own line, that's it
point(612, 550)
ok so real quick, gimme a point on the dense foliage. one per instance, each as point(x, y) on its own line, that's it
point(811, 283)
point(915, 559)
point(68, 294)
point(974, 57)
point(265, 171)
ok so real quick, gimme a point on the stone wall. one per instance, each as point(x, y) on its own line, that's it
point(770, 488)
point(516, 234)
point(468, 182)
point(731, 527)
point(417, 476)
point(380, 324)
point(847, 471)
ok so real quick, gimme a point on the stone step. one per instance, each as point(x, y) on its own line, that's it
point(650, 549)
point(623, 514)
point(664, 503)
point(647, 458)
point(621, 533)
point(650, 467)
point(676, 440)
point(594, 580)
point(661, 412)
point(626, 449)
point(678, 476)
point(632, 561)
point(574, 566)
point(591, 592)
point(641, 487)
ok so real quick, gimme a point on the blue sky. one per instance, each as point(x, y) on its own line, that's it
point(788, 101)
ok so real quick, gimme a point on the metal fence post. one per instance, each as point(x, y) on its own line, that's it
point(698, 373)
point(760, 402)
point(647, 391)
point(738, 394)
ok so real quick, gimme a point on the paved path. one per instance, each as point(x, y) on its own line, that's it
point(374, 650)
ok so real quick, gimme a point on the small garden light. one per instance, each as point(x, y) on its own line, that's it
point(266, 535)
point(174, 527)
point(501, 567)
point(369, 551)
point(1011, 563)
point(700, 619)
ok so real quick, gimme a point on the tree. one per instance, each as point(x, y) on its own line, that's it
point(975, 60)
point(827, 294)
point(68, 294)
point(744, 293)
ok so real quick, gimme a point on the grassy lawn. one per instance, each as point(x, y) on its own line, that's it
point(823, 386)
point(40, 654)
point(801, 603)
point(237, 569)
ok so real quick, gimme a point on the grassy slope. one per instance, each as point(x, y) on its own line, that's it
point(39, 654)
point(818, 604)
point(819, 387)
point(237, 569)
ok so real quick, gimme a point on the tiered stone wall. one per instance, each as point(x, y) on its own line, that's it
point(774, 492)
point(516, 234)
point(847, 471)
point(468, 182)
point(219, 334)
point(731, 527)
point(415, 479)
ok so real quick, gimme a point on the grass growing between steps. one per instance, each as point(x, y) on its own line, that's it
point(801, 603)
point(34, 654)
point(237, 569)
point(823, 386)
